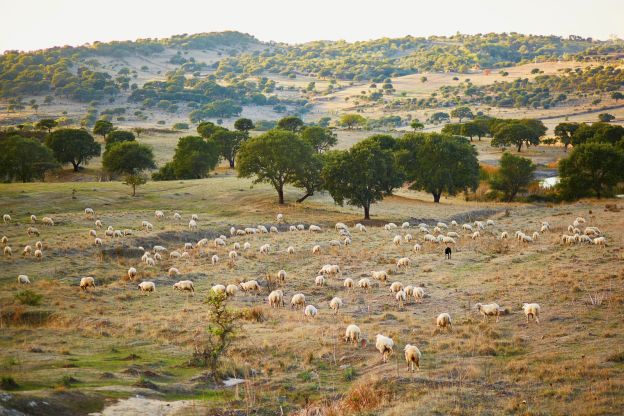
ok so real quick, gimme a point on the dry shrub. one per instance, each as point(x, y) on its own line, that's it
point(254, 314)
point(366, 396)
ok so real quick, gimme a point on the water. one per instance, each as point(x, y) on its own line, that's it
point(549, 182)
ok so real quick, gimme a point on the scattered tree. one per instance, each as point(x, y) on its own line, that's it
point(417, 125)
point(24, 159)
point(564, 133)
point(118, 136)
point(244, 125)
point(46, 124)
point(130, 159)
point(439, 117)
point(103, 127)
point(229, 142)
point(75, 146)
point(461, 113)
point(518, 132)
point(321, 139)
point(352, 120)
point(606, 117)
point(514, 175)
point(290, 123)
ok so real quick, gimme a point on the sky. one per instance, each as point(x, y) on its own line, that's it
point(36, 24)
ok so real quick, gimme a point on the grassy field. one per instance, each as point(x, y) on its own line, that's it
point(76, 352)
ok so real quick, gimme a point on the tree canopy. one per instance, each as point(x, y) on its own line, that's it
point(118, 136)
point(229, 143)
point(352, 120)
point(321, 139)
point(194, 158)
point(514, 175)
point(244, 124)
point(103, 127)
point(24, 159)
point(517, 132)
point(290, 123)
point(75, 146)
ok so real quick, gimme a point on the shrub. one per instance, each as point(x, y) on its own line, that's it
point(28, 297)
point(8, 383)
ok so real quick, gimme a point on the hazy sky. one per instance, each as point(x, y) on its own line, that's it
point(35, 24)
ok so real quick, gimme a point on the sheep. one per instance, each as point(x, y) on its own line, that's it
point(479, 224)
point(527, 239)
point(280, 218)
point(405, 225)
point(585, 239)
point(491, 309)
point(419, 294)
point(310, 311)
point(403, 262)
point(47, 221)
point(159, 215)
point(335, 304)
point(192, 225)
point(214, 259)
point(297, 301)
point(535, 235)
point(97, 241)
point(188, 246)
point(32, 231)
point(443, 321)
point(454, 223)
point(531, 310)
point(249, 286)
point(364, 283)
point(448, 240)
point(177, 216)
point(8, 252)
point(397, 240)
point(437, 230)
point(292, 228)
point(385, 346)
point(475, 235)
point(390, 226)
point(423, 229)
point(330, 269)
point(98, 224)
point(361, 228)
point(348, 283)
point(380, 275)
point(452, 234)
point(218, 289)
point(441, 225)
point(184, 285)
point(264, 249)
point(281, 275)
point(195, 217)
point(544, 228)
point(592, 231)
point(273, 229)
point(408, 238)
point(89, 213)
point(400, 297)
point(412, 356)
point(467, 227)
point(246, 246)
point(490, 222)
point(150, 262)
point(92, 233)
point(5, 240)
point(38, 254)
point(27, 251)
point(132, 273)
point(33, 218)
point(316, 249)
point(417, 247)
point(22, 279)
point(276, 299)
point(314, 229)
point(409, 291)
point(147, 287)
point(600, 241)
point(352, 334)
point(396, 287)
point(6, 218)
point(347, 241)
point(504, 235)
point(340, 226)
point(174, 254)
point(202, 243)
point(230, 290)
point(431, 238)
point(262, 229)
point(173, 272)
point(300, 227)
point(335, 243)
point(149, 227)
point(87, 282)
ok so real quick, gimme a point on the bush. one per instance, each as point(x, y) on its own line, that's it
point(28, 297)
point(8, 383)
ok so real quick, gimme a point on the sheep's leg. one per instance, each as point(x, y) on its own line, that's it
point(536, 319)
point(527, 318)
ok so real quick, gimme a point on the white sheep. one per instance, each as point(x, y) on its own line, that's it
point(195, 217)
point(335, 304)
point(417, 247)
point(150, 262)
point(177, 216)
point(263, 229)
point(173, 272)
point(192, 225)
point(490, 223)
point(159, 215)
point(6, 218)
point(352, 334)
point(292, 228)
point(452, 234)
point(330, 269)
point(146, 287)
point(281, 275)
point(132, 273)
point(89, 213)
point(380, 275)
point(273, 229)
point(310, 311)
point(249, 286)
point(214, 259)
point(405, 225)
point(233, 255)
point(419, 294)
point(33, 218)
point(47, 221)
point(22, 279)
point(264, 249)
point(27, 251)
point(490, 309)
point(475, 235)
point(183, 285)
point(412, 357)
point(297, 301)
point(454, 223)
point(531, 310)
point(397, 240)
point(5, 240)
point(39, 245)
point(504, 235)
point(316, 249)
point(319, 280)
point(175, 254)
point(87, 282)
point(348, 283)
point(385, 346)
point(97, 241)
point(203, 242)
point(246, 246)
point(300, 227)
point(335, 243)
point(314, 229)
point(441, 225)
point(600, 241)
point(38, 254)
point(403, 263)
point(218, 289)
point(347, 241)
point(400, 296)
point(32, 231)
point(364, 283)
point(230, 290)
point(276, 299)
point(98, 224)
point(467, 227)
point(360, 228)
point(443, 321)
point(396, 287)
point(8, 252)
point(280, 218)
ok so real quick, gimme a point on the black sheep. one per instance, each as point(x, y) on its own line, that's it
point(447, 253)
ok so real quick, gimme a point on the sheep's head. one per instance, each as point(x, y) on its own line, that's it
point(478, 306)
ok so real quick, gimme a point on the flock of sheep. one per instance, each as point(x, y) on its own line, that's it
point(438, 234)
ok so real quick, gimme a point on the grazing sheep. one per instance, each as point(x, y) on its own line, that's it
point(192, 225)
point(504, 235)
point(352, 334)
point(263, 229)
point(6, 218)
point(273, 229)
point(452, 234)
point(195, 217)
point(380, 275)
point(22, 279)
point(297, 301)
point(173, 272)
point(417, 247)
point(292, 228)
point(454, 223)
point(360, 228)
point(310, 311)
point(188, 246)
point(202, 243)
point(39, 245)
point(281, 276)
point(531, 310)
point(600, 241)
point(246, 246)
point(526, 238)
point(300, 227)
point(47, 221)
point(159, 215)
point(489, 222)
point(441, 225)
point(475, 235)
point(175, 254)
point(87, 282)
point(230, 290)
point(364, 283)
point(132, 273)
point(347, 241)
point(592, 231)
point(92, 233)
point(33, 218)
point(385, 346)
point(447, 253)
point(319, 280)
point(38, 254)
point(177, 216)
point(219, 242)
point(448, 240)
point(5, 240)
point(400, 297)
point(150, 262)
point(535, 235)
point(491, 309)
point(403, 263)
point(467, 227)
point(348, 283)
point(316, 249)
point(431, 238)
point(98, 224)
point(412, 357)
point(233, 255)
point(27, 251)
point(397, 240)
point(146, 287)
point(276, 299)
point(419, 294)
point(314, 229)
point(390, 226)
point(479, 224)
point(335, 243)
point(330, 269)
point(218, 289)
point(396, 287)
point(405, 225)
point(409, 291)
point(249, 286)
point(8, 252)
point(32, 231)
point(340, 226)
point(215, 259)
point(264, 249)
point(89, 213)
point(280, 218)
point(184, 285)
point(97, 241)
point(335, 304)
point(443, 321)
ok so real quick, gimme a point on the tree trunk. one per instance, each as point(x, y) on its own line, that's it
point(231, 163)
point(303, 198)
point(367, 212)
point(75, 166)
point(519, 147)
point(436, 197)
point(280, 193)
point(133, 190)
